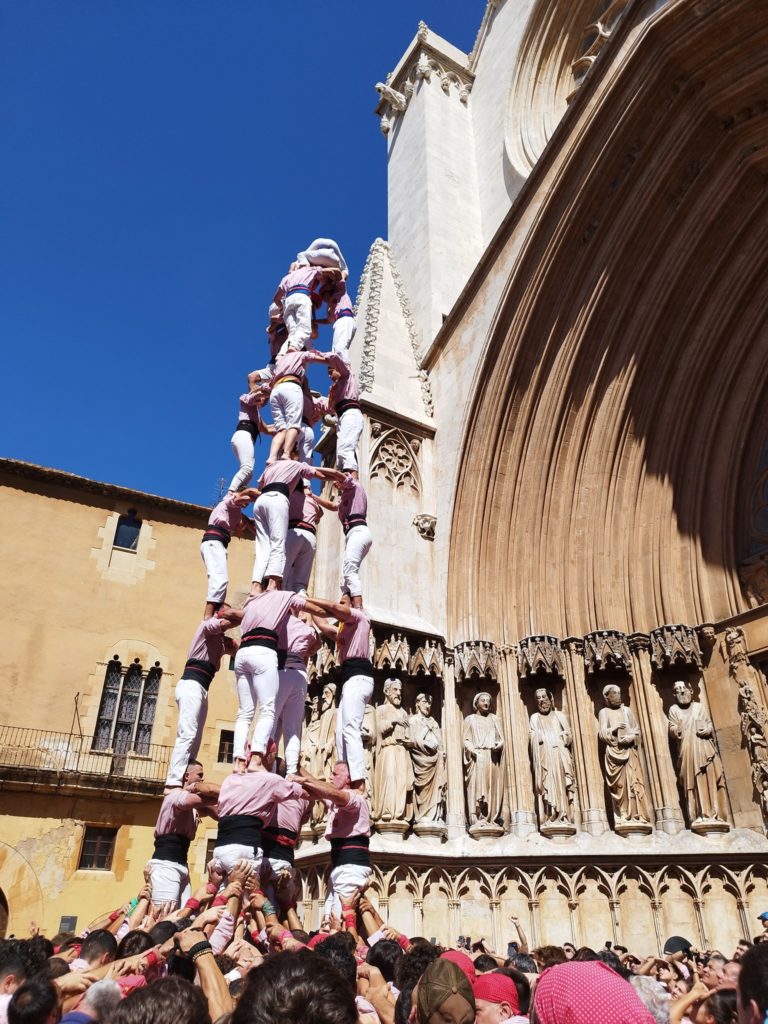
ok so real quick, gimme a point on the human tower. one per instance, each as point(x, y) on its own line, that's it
point(260, 810)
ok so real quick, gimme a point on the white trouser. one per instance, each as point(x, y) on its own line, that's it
point(257, 683)
point(343, 881)
point(270, 518)
point(270, 870)
point(170, 883)
point(355, 694)
point(297, 317)
point(242, 446)
point(357, 546)
point(347, 436)
point(192, 699)
point(344, 330)
point(299, 556)
point(225, 857)
point(322, 252)
point(306, 443)
point(215, 557)
point(286, 403)
point(289, 713)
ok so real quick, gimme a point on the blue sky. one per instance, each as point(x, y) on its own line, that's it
point(163, 161)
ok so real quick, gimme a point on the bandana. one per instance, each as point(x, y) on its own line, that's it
point(462, 961)
point(497, 988)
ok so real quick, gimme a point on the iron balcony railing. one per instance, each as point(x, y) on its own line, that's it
point(68, 760)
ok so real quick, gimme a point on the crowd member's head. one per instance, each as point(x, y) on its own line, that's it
point(763, 919)
point(411, 967)
point(548, 956)
point(385, 954)
point(61, 938)
point(653, 996)
point(752, 992)
point(133, 942)
point(581, 993)
point(336, 951)
point(583, 954)
point(741, 948)
point(13, 970)
point(570, 950)
point(57, 967)
point(193, 774)
point(99, 948)
point(523, 962)
point(522, 985)
point(495, 999)
point(731, 972)
point(717, 1008)
point(167, 1001)
point(34, 1002)
point(161, 932)
point(485, 963)
point(443, 995)
point(340, 777)
point(465, 963)
point(101, 1000)
point(711, 972)
point(607, 956)
point(295, 988)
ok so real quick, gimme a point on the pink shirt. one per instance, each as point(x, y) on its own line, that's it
point(311, 412)
point(270, 609)
point(302, 277)
point(302, 641)
point(291, 813)
point(354, 639)
point(226, 514)
point(339, 301)
point(285, 471)
point(250, 403)
point(346, 388)
point(208, 641)
point(178, 815)
point(294, 364)
point(354, 500)
point(353, 819)
point(255, 793)
point(304, 507)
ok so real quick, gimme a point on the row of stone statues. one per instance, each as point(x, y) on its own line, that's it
point(407, 775)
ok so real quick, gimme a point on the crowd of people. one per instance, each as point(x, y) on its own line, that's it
point(229, 955)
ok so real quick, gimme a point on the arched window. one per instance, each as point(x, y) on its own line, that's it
point(127, 532)
point(127, 708)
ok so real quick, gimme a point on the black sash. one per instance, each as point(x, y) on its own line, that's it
point(356, 667)
point(281, 656)
point(260, 636)
point(346, 403)
point(172, 847)
point(200, 670)
point(250, 426)
point(280, 488)
point(299, 524)
point(240, 828)
point(220, 533)
point(350, 850)
point(279, 843)
point(354, 520)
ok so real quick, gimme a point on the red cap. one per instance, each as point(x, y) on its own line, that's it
point(463, 962)
point(497, 988)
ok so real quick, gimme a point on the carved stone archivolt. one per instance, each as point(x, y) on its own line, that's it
point(540, 654)
point(675, 646)
point(753, 718)
point(395, 456)
point(476, 659)
point(606, 648)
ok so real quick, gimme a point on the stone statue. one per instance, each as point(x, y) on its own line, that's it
point(325, 749)
point(754, 729)
point(553, 775)
point(429, 778)
point(368, 735)
point(483, 749)
point(698, 763)
point(393, 774)
point(619, 730)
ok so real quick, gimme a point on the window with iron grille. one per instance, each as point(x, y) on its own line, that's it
point(226, 743)
point(127, 532)
point(98, 848)
point(210, 846)
point(127, 708)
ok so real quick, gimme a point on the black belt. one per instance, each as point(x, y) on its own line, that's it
point(260, 636)
point(281, 656)
point(252, 428)
point(356, 667)
point(279, 843)
point(346, 403)
point(172, 847)
point(299, 524)
point(200, 670)
point(350, 850)
point(240, 828)
point(353, 521)
point(219, 533)
point(280, 488)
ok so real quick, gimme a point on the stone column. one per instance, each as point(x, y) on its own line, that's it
point(658, 924)
point(573, 908)
point(418, 916)
point(453, 741)
point(654, 727)
point(533, 912)
point(495, 925)
point(586, 757)
point(454, 920)
point(743, 908)
point(519, 784)
point(698, 906)
point(615, 906)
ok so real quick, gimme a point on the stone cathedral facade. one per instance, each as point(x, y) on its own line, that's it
point(562, 347)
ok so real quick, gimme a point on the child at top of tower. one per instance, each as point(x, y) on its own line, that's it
point(294, 296)
point(323, 252)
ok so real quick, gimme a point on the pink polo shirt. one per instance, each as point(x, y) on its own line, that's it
point(311, 412)
point(270, 609)
point(353, 819)
point(178, 815)
point(346, 388)
point(353, 501)
point(294, 364)
point(291, 813)
point(250, 403)
point(208, 641)
point(354, 638)
point(285, 471)
point(304, 507)
point(255, 793)
point(339, 301)
point(302, 277)
point(226, 514)
point(302, 641)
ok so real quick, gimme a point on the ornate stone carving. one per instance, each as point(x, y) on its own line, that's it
point(619, 730)
point(426, 387)
point(425, 524)
point(699, 767)
point(675, 645)
point(753, 573)
point(322, 663)
point(753, 717)
point(318, 748)
point(427, 660)
point(395, 456)
point(429, 775)
point(598, 33)
point(553, 775)
point(395, 99)
point(483, 769)
point(606, 648)
point(393, 772)
point(476, 659)
point(371, 281)
point(540, 654)
point(393, 653)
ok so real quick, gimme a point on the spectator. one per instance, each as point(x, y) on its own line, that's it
point(586, 993)
point(34, 1002)
point(99, 948)
point(444, 994)
point(99, 1003)
point(752, 992)
point(167, 1001)
point(294, 988)
point(496, 1000)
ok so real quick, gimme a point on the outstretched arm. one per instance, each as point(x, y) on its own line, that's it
point(323, 790)
point(340, 611)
